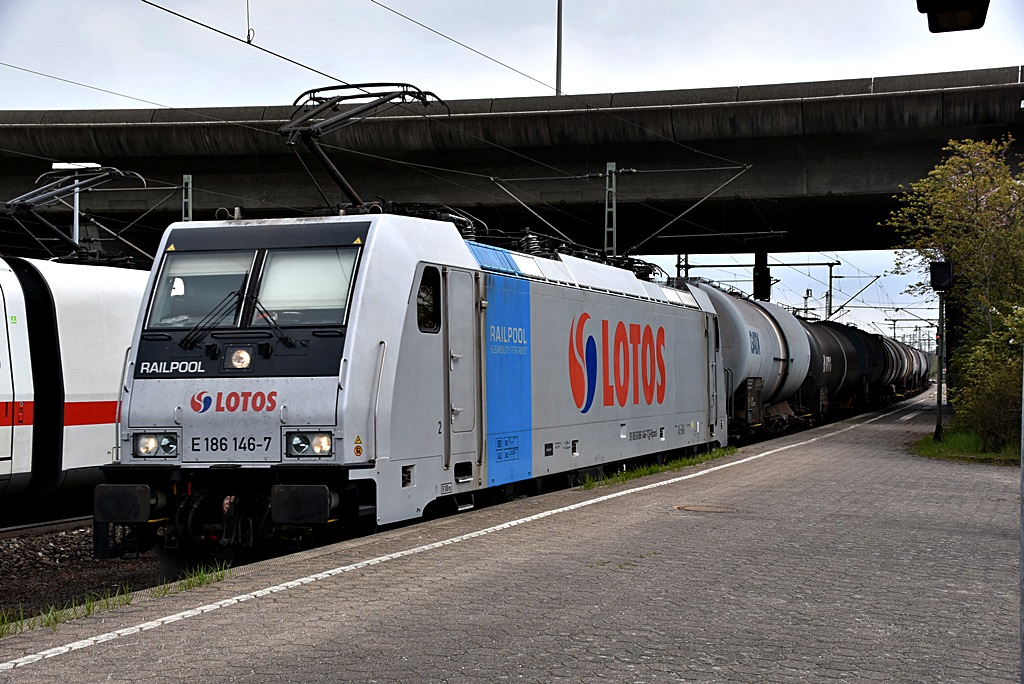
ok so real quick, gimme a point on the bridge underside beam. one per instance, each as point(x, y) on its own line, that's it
point(825, 161)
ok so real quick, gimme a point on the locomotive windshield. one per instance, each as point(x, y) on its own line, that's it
point(294, 287)
point(305, 286)
point(193, 285)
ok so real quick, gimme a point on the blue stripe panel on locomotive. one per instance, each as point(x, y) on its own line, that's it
point(509, 386)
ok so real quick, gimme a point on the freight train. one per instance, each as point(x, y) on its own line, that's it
point(783, 370)
point(63, 340)
point(288, 376)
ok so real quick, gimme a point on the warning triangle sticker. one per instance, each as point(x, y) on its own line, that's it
point(358, 241)
point(170, 248)
point(358, 440)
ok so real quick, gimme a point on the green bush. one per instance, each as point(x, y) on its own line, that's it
point(987, 393)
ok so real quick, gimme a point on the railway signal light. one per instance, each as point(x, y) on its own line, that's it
point(762, 283)
point(941, 275)
point(762, 277)
point(953, 15)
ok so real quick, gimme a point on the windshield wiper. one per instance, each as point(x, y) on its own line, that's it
point(271, 321)
point(210, 321)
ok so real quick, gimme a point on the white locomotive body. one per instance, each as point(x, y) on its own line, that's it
point(288, 373)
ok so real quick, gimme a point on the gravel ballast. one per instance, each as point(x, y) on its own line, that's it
point(57, 569)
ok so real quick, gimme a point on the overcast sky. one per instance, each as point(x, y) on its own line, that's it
point(152, 58)
point(609, 46)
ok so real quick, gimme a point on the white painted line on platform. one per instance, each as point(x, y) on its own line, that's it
point(93, 641)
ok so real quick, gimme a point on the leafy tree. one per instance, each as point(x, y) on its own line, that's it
point(969, 210)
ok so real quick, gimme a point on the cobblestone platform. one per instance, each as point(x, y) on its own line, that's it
point(828, 556)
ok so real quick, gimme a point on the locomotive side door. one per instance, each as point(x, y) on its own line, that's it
point(712, 343)
point(462, 361)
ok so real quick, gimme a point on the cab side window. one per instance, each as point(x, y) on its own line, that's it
point(428, 301)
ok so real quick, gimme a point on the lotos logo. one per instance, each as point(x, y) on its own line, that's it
point(582, 365)
point(632, 361)
point(232, 402)
point(201, 402)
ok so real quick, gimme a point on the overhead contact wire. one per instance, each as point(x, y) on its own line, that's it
point(462, 131)
point(334, 78)
point(245, 42)
point(587, 105)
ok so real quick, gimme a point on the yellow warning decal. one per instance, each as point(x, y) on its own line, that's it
point(359, 440)
point(358, 241)
point(170, 248)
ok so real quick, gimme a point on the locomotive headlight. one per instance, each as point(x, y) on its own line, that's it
point(146, 445)
point(168, 445)
point(158, 445)
point(321, 444)
point(298, 444)
point(238, 358)
point(309, 443)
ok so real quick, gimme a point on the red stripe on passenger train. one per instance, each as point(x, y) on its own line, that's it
point(17, 412)
point(90, 412)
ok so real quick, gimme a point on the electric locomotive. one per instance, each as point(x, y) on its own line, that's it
point(288, 375)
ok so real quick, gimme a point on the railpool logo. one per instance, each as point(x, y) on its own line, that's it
point(201, 402)
point(629, 356)
point(233, 402)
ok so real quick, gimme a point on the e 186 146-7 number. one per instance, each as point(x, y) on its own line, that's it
point(232, 443)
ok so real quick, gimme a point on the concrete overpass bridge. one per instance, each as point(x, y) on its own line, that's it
point(825, 160)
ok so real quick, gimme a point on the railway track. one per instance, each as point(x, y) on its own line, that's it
point(49, 564)
point(37, 529)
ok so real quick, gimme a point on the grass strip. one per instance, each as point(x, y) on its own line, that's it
point(965, 447)
point(15, 621)
point(632, 473)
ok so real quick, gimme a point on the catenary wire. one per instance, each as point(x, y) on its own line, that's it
point(587, 105)
point(485, 141)
point(411, 165)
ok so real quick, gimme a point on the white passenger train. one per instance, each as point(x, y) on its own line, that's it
point(289, 374)
point(65, 332)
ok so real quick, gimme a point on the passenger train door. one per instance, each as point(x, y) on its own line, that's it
point(7, 407)
point(462, 362)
